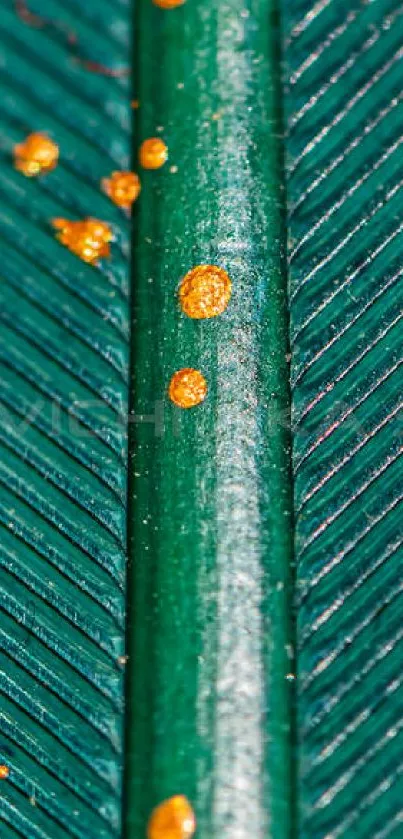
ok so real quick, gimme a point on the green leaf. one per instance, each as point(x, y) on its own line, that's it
point(344, 125)
point(63, 463)
point(209, 511)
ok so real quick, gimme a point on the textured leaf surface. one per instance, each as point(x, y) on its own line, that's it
point(210, 516)
point(209, 711)
point(63, 394)
point(344, 120)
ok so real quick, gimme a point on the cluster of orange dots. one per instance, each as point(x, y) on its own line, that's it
point(204, 292)
point(88, 238)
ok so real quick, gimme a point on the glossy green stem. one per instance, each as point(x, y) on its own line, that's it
point(210, 532)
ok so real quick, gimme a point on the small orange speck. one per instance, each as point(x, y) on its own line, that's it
point(4, 772)
point(187, 388)
point(153, 153)
point(168, 4)
point(205, 291)
point(135, 104)
point(37, 154)
point(122, 188)
point(173, 819)
point(89, 239)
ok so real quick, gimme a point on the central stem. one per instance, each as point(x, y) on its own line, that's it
point(210, 522)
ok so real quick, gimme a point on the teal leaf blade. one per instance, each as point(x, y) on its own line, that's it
point(344, 129)
point(63, 412)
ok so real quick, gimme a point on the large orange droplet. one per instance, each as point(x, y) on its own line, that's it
point(4, 772)
point(173, 819)
point(153, 153)
point(37, 154)
point(205, 292)
point(187, 388)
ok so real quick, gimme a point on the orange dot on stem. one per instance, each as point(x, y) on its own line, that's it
point(168, 4)
point(172, 819)
point(205, 292)
point(153, 153)
point(187, 388)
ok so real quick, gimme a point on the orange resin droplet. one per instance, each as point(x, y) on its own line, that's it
point(173, 819)
point(168, 4)
point(89, 239)
point(153, 153)
point(122, 188)
point(4, 772)
point(187, 388)
point(205, 291)
point(38, 153)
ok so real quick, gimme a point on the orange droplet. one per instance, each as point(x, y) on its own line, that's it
point(153, 153)
point(135, 104)
point(122, 188)
point(89, 239)
point(4, 772)
point(205, 291)
point(168, 4)
point(173, 819)
point(187, 388)
point(37, 154)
